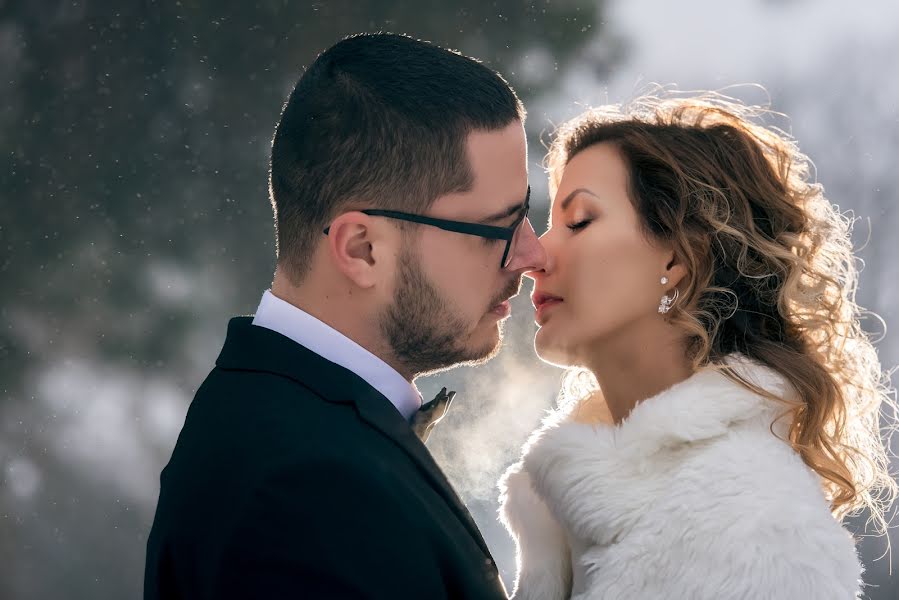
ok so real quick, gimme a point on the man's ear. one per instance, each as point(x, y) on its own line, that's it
point(351, 244)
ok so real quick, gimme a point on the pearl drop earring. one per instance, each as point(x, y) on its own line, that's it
point(667, 301)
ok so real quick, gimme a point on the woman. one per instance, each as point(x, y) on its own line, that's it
point(706, 288)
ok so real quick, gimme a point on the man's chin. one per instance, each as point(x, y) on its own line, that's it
point(483, 354)
point(491, 349)
point(468, 356)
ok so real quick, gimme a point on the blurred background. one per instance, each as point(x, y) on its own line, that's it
point(134, 220)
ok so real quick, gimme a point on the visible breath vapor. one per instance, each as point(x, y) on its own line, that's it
point(494, 413)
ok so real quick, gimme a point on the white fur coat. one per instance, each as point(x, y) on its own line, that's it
point(691, 497)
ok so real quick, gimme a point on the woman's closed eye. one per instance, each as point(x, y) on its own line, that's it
point(578, 225)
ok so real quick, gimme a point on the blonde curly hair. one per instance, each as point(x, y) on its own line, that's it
point(771, 271)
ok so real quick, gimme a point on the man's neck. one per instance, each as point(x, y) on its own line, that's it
point(343, 313)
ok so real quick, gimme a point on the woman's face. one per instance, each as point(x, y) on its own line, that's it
point(601, 285)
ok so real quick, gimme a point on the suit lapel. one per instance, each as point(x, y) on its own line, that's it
point(248, 347)
point(392, 425)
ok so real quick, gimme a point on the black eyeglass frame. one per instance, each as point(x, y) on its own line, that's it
point(490, 232)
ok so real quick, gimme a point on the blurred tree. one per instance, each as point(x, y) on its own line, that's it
point(134, 220)
point(143, 134)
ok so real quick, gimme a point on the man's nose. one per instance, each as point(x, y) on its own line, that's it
point(528, 254)
point(548, 259)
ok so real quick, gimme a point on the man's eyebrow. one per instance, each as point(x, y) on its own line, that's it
point(567, 200)
point(509, 212)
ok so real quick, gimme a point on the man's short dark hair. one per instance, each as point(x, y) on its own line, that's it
point(378, 120)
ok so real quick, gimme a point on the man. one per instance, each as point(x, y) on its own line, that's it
point(399, 184)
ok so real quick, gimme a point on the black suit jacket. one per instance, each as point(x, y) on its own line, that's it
point(293, 478)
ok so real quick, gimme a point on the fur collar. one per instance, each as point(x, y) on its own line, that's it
point(676, 501)
point(625, 457)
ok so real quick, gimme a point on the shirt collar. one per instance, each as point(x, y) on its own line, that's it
point(301, 327)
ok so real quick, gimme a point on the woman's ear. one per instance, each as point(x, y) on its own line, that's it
point(351, 246)
point(674, 269)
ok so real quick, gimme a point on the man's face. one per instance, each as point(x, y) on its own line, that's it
point(450, 291)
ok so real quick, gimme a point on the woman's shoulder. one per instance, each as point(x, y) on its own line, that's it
point(752, 483)
point(752, 490)
point(754, 455)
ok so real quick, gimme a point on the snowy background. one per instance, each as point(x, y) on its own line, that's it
point(134, 220)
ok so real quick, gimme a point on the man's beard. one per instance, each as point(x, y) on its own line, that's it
point(421, 328)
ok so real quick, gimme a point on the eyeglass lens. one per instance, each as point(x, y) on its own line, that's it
point(513, 243)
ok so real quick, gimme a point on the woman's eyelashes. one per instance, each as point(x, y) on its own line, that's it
point(578, 225)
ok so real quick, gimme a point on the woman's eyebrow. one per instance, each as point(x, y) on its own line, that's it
point(567, 200)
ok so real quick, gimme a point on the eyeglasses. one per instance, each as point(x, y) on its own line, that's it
point(510, 234)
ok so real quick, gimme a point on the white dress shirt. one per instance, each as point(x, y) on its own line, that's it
point(298, 325)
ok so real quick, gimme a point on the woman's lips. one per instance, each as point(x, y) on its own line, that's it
point(542, 303)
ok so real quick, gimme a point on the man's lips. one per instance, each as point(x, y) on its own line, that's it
point(503, 309)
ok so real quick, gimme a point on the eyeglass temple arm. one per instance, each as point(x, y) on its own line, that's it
point(486, 231)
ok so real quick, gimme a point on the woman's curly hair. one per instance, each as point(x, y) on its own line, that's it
point(771, 270)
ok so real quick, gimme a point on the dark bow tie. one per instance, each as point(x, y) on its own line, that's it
point(431, 413)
